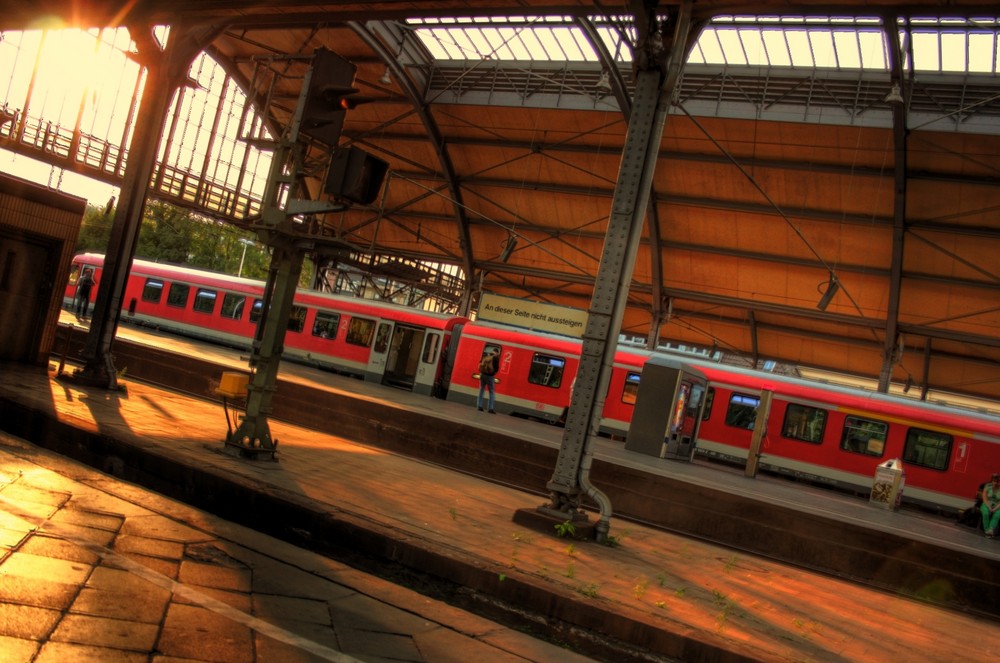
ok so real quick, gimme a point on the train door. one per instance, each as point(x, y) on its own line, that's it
point(759, 433)
point(402, 360)
point(380, 352)
point(426, 380)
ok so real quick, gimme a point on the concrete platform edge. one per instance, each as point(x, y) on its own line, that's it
point(306, 526)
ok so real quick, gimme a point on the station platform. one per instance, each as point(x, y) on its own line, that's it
point(655, 595)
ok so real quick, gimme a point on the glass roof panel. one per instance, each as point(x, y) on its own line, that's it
point(778, 52)
point(982, 52)
point(823, 51)
point(798, 44)
point(847, 48)
point(753, 47)
point(926, 51)
point(872, 48)
point(953, 52)
point(837, 42)
point(732, 47)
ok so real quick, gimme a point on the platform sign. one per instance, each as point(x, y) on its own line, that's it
point(532, 315)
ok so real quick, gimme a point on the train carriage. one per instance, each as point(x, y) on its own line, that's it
point(839, 436)
point(378, 341)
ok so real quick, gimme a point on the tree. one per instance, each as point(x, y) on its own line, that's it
point(167, 234)
point(95, 231)
point(181, 237)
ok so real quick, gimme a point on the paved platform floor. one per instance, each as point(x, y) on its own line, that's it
point(95, 569)
point(671, 597)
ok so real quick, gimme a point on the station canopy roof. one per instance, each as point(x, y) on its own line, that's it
point(797, 154)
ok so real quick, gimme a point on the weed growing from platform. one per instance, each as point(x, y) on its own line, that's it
point(640, 588)
point(570, 570)
point(728, 608)
point(730, 563)
point(808, 628)
point(565, 529)
point(571, 550)
point(590, 591)
point(453, 513)
point(615, 540)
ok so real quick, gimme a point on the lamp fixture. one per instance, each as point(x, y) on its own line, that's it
point(832, 286)
point(386, 77)
point(603, 83)
point(895, 95)
point(508, 248)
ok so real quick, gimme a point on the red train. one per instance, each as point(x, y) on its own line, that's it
point(832, 435)
point(377, 341)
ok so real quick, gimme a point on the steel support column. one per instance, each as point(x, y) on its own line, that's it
point(288, 225)
point(252, 438)
point(899, 135)
point(570, 481)
point(167, 69)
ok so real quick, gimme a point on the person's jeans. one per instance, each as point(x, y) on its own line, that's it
point(486, 382)
point(83, 306)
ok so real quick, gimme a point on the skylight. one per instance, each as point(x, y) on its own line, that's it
point(839, 43)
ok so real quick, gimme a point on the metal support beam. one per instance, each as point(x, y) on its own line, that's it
point(167, 69)
point(570, 480)
point(252, 438)
point(289, 239)
point(899, 134)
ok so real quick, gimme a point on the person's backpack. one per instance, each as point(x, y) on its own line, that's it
point(486, 364)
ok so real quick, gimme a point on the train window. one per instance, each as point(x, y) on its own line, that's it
point(804, 423)
point(546, 371)
point(631, 389)
point(360, 331)
point(325, 325)
point(152, 291)
point(927, 449)
point(297, 319)
point(178, 295)
point(382, 340)
point(742, 411)
point(709, 400)
point(204, 300)
point(431, 344)
point(864, 436)
point(256, 311)
point(697, 395)
point(232, 306)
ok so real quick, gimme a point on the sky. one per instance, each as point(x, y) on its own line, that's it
point(97, 193)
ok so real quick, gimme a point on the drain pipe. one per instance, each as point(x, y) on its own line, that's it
point(603, 525)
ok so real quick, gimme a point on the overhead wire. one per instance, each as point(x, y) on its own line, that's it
point(771, 202)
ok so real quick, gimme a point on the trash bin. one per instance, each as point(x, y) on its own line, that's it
point(887, 487)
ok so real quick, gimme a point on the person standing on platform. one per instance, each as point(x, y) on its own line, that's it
point(991, 505)
point(488, 367)
point(83, 288)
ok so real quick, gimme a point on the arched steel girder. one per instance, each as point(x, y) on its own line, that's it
point(402, 77)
